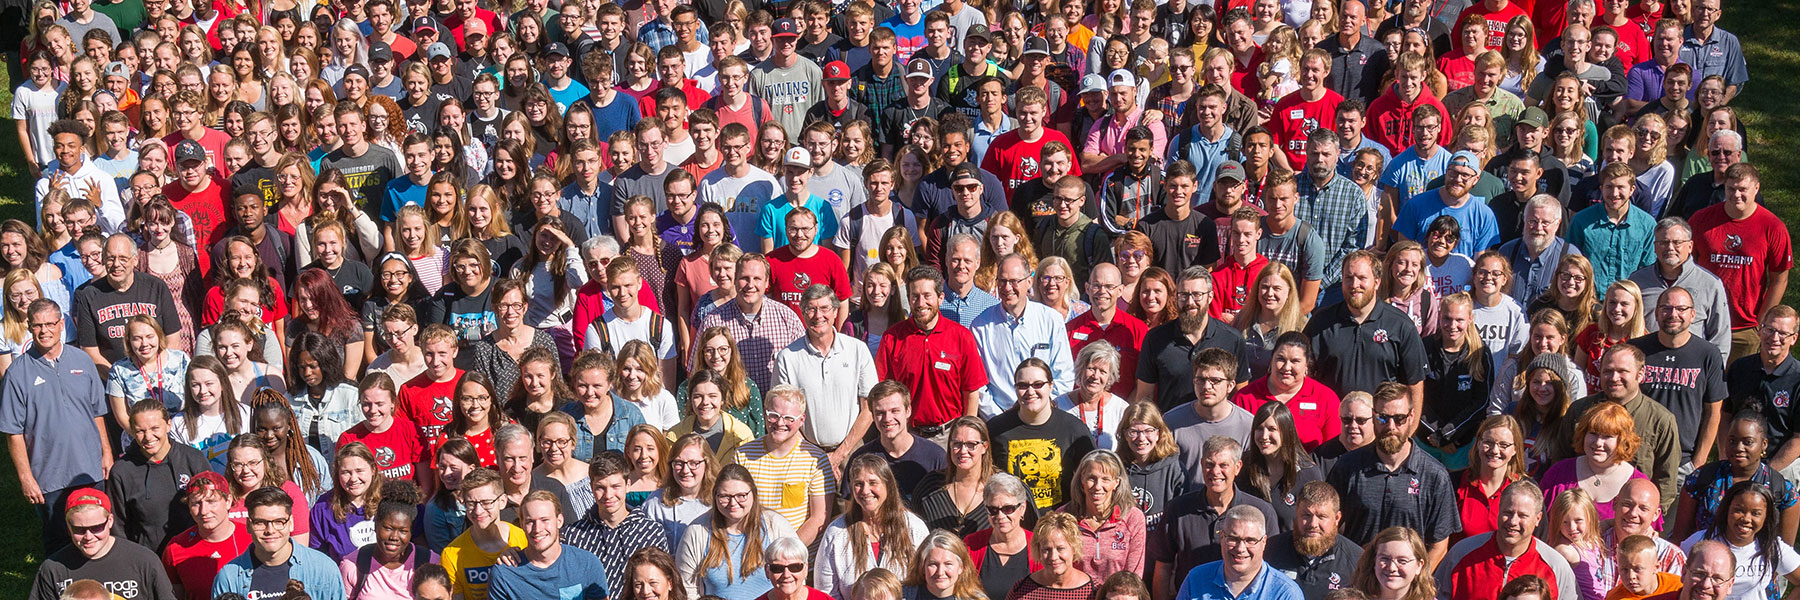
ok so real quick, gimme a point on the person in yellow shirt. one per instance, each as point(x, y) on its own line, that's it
point(471, 555)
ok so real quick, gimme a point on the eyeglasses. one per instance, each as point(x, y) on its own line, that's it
point(687, 465)
point(1133, 255)
point(557, 444)
point(1003, 281)
point(1357, 421)
point(1238, 540)
point(779, 568)
point(270, 523)
point(486, 505)
point(784, 419)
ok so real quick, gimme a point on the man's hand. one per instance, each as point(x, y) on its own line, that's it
point(92, 193)
point(106, 465)
point(508, 558)
point(30, 485)
point(838, 457)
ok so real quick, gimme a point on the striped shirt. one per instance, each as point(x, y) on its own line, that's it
point(787, 483)
point(614, 545)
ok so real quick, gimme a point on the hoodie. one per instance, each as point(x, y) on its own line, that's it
point(1154, 484)
point(1390, 120)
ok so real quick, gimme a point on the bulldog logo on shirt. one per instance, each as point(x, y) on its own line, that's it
point(1781, 399)
point(1381, 336)
point(384, 457)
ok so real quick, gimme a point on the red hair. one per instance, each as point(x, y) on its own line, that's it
point(336, 320)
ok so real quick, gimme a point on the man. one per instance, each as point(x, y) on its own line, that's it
point(366, 166)
point(198, 193)
point(1536, 255)
point(1129, 193)
point(1577, 41)
point(1312, 107)
point(1675, 267)
point(425, 399)
point(672, 73)
point(738, 186)
point(273, 558)
point(1615, 235)
point(1108, 142)
point(1747, 246)
point(1356, 413)
point(1105, 323)
point(546, 566)
point(1037, 442)
point(1636, 511)
point(792, 473)
point(563, 89)
point(1395, 483)
point(961, 81)
point(629, 319)
point(908, 25)
point(1709, 576)
point(836, 107)
point(1504, 107)
point(1393, 111)
point(858, 240)
point(514, 449)
point(1713, 51)
point(1191, 531)
point(879, 86)
point(789, 84)
point(910, 457)
point(1234, 277)
point(1523, 175)
point(1314, 553)
point(940, 44)
point(1016, 329)
point(1211, 413)
point(1015, 156)
point(825, 364)
point(1180, 235)
point(194, 557)
point(1357, 60)
point(249, 219)
point(470, 557)
point(1685, 374)
point(1165, 376)
point(1411, 173)
point(841, 186)
point(82, 18)
point(1706, 189)
point(1068, 232)
point(74, 173)
point(409, 190)
point(118, 564)
point(1241, 571)
point(1480, 565)
point(1286, 239)
point(1769, 381)
point(645, 178)
point(1644, 81)
point(1455, 198)
point(937, 193)
point(1622, 372)
point(1335, 206)
point(190, 126)
point(760, 328)
point(991, 120)
point(148, 479)
point(917, 102)
point(818, 42)
point(963, 302)
point(102, 307)
point(771, 225)
point(1362, 342)
point(934, 356)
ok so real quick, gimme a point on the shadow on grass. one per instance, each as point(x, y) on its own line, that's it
point(1770, 104)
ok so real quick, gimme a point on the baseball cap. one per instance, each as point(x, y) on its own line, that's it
point(380, 51)
point(438, 50)
point(189, 150)
point(117, 69)
point(785, 28)
point(1093, 82)
point(1466, 159)
point(556, 49)
point(964, 172)
point(1534, 117)
point(87, 496)
point(979, 31)
point(1232, 170)
point(919, 67)
point(206, 481)
point(1122, 77)
point(1036, 45)
point(357, 70)
point(797, 157)
point(423, 23)
point(836, 70)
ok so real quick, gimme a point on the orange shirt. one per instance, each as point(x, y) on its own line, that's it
point(1665, 583)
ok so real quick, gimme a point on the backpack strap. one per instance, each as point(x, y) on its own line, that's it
point(656, 332)
point(365, 561)
point(605, 335)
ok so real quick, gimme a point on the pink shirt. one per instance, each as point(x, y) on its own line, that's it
point(1108, 135)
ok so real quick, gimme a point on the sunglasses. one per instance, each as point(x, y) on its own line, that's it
point(76, 530)
point(1005, 510)
point(795, 568)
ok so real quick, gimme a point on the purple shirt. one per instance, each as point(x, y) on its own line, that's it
point(679, 235)
point(338, 539)
point(1644, 82)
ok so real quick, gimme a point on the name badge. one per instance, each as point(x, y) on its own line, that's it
point(1079, 335)
point(941, 365)
point(1308, 406)
point(1297, 114)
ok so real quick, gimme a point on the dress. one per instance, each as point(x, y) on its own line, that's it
point(187, 271)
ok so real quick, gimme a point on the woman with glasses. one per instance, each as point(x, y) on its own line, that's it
point(21, 288)
point(1497, 460)
point(247, 468)
point(875, 531)
point(497, 354)
point(1057, 545)
point(950, 499)
point(1152, 460)
point(719, 352)
point(387, 126)
point(474, 416)
point(1134, 254)
point(998, 552)
point(1743, 458)
point(687, 489)
point(1572, 293)
point(1100, 500)
point(942, 568)
point(1607, 441)
point(1749, 522)
point(1655, 173)
point(721, 553)
point(1092, 401)
point(1036, 442)
point(387, 344)
point(469, 305)
point(555, 436)
point(1393, 567)
point(787, 571)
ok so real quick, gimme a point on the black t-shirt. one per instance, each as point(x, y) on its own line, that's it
point(509, 249)
point(353, 278)
point(1316, 575)
point(269, 582)
point(1189, 533)
point(911, 467)
point(1168, 359)
point(471, 315)
point(1773, 394)
point(459, 87)
point(819, 52)
point(1179, 244)
point(1358, 357)
point(901, 116)
point(127, 570)
point(853, 111)
point(100, 312)
point(255, 177)
point(422, 117)
point(487, 131)
point(1683, 380)
point(1044, 456)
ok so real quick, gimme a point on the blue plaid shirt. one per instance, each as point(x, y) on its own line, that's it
point(590, 209)
point(658, 33)
point(1339, 212)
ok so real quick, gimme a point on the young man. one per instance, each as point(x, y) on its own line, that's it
point(1767, 381)
point(274, 558)
point(1688, 376)
point(791, 85)
point(1311, 107)
point(1164, 376)
point(803, 261)
point(1744, 243)
point(836, 107)
point(102, 308)
point(194, 557)
point(790, 471)
point(470, 558)
point(1210, 142)
point(367, 167)
point(738, 186)
point(675, 226)
point(186, 109)
point(1031, 200)
point(1108, 144)
point(1234, 278)
point(99, 555)
point(612, 532)
point(629, 320)
point(74, 173)
point(564, 90)
point(961, 81)
point(880, 86)
point(1180, 235)
point(1129, 193)
point(672, 73)
point(703, 127)
point(1410, 173)
point(425, 399)
point(734, 103)
point(249, 219)
point(644, 178)
point(1479, 230)
point(409, 190)
point(1069, 232)
point(826, 364)
point(858, 240)
point(1392, 114)
point(1616, 235)
point(54, 416)
point(909, 456)
point(761, 327)
point(1504, 107)
point(817, 42)
point(990, 118)
point(839, 185)
point(917, 103)
point(613, 112)
point(908, 25)
point(967, 217)
point(771, 223)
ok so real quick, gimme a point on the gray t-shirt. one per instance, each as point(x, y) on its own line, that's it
point(842, 189)
point(1305, 256)
point(1191, 433)
point(100, 21)
point(961, 21)
point(636, 182)
point(789, 91)
point(52, 405)
point(1540, 87)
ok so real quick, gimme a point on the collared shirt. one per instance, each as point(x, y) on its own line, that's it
point(1773, 392)
point(759, 336)
point(964, 308)
point(1476, 569)
point(48, 402)
point(1205, 154)
point(588, 442)
point(1534, 274)
point(1207, 582)
point(1418, 494)
point(1125, 333)
point(1480, 507)
point(1718, 54)
point(591, 209)
point(1005, 341)
point(1356, 71)
point(1356, 356)
point(879, 94)
point(1504, 106)
point(985, 134)
point(306, 565)
point(1339, 212)
point(833, 380)
point(1168, 360)
point(614, 545)
point(941, 366)
point(1108, 135)
point(1616, 249)
point(1317, 575)
point(1188, 534)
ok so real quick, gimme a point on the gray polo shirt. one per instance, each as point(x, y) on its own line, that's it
point(54, 406)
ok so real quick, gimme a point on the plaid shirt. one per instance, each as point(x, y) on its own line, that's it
point(614, 545)
point(758, 336)
point(1339, 212)
point(878, 94)
point(657, 33)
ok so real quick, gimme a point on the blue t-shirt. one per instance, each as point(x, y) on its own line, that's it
point(772, 224)
point(576, 575)
point(401, 191)
point(567, 96)
point(1413, 175)
point(907, 38)
point(1480, 230)
point(621, 115)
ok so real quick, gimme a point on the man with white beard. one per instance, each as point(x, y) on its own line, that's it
point(1479, 566)
point(1314, 553)
point(1534, 255)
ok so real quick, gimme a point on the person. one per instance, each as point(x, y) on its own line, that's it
point(783, 463)
point(1241, 572)
point(427, 400)
point(1710, 575)
point(194, 557)
point(341, 520)
point(1036, 442)
point(1189, 533)
point(1746, 437)
point(1351, 362)
point(97, 554)
point(274, 557)
point(431, 582)
point(78, 174)
point(1676, 267)
point(149, 479)
point(1469, 570)
point(947, 386)
point(721, 552)
point(876, 531)
point(1639, 576)
point(395, 439)
point(998, 552)
point(1016, 329)
point(758, 334)
point(1757, 381)
point(1615, 234)
point(611, 531)
point(100, 310)
point(1762, 558)
point(914, 460)
point(1106, 322)
point(1277, 464)
point(1289, 381)
point(1369, 505)
point(1162, 377)
point(1621, 376)
point(653, 570)
point(602, 421)
point(1461, 368)
point(515, 449)
point(1100, 499)
point(470, 558)
point(1688, 377)
point(1056, 544)
point(1480, 231)
point(1639, 508)
point(325, 403)
point(1313, 551)
point(1393, 566)
point(1750, 267)
point(445, 516)
point(825, 364)
point(386, 567)
point(51, 393)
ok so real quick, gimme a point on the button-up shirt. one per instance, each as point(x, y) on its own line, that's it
point(1207, 582)
point(879, 93)
point(1616, 249)
point(1339, 212)
point(1108, 135)
point(306, 565)
point(833, 380)
point(985, 134)
point(625, 415)
point(964, 308)
point(591, 209)
point(615, 545)
point(759, 336)
point(1006, 340)
point(1532, 274)
point(1718, 54)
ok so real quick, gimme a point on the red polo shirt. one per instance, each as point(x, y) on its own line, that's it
point(1480, 508)
point(1126, 333)
point(1315, 409)
point(789, 276)
point(940, 366)
point(1481, 573)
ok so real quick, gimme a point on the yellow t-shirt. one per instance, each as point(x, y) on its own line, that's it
point(468, 564)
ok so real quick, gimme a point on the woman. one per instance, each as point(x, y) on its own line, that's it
point(650, 575)
point(1096, 370)
point(771, 143)
point(897, 251)
point(338, 518)
point(1573, 529)
point(497, 354)
point(998, 553)
point(1005, 235)
point(1520, 51)
point(49, 276)
point(1057, 545)
point(912, 163)
point(787, 558)
point(881, 303)
point(1134, 255)
point(416, 239)
point(721, 553)
point(467, 304)
point(1607, 441)
point(389, 434)
point(273, 421)
point(694, 277)
point(21, 290)
point(1406, 287)
point(1745, 449)
point(393, 559)
point(951, 499)
point(445, 515)
point(209, 419)
point(638, 78)
point(1275, 313)
point(719, 352)
point(1572, 294)
point(320, 308)
point(1393, 565)
point(387, 127)
point(1152, 460)
point(485, 214)
point(1749, 521)
point(240, 260)
point(1655, 173)
point(474, 416)
point(325, 404)
point(167, 255)
point(1276, 464)
point(1056, 287)
point(334, 203)
point(1544, 405)
point(556, 458)
point(247, 468)
point(541, 388)
point(687, 489)
point(645, 447)
point(1314, 405)
point(875, 531)
point(1621, 319)
point(235, 346)
point(707, 417)
point(1459, 371)
point(640, 383)
point(150, 371)
point(1154, 298)
point(1568, 143)
point(1498, 459)
point(656, 259)
point(1102, 504)
point(942, 568)
point(396, 285)
point(724, 272)
point(551, 272)
point(1548, 334)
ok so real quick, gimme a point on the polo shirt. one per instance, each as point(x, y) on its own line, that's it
point(1417, 495)
point(1125, 333)
point(1771, 391)
point(1718, 54)
point(309, 566)
point(1314, 408)
point(1169, 365)
point(1644, 81)
point(1188, 535)
point(1316, 575)
point(833, 380)
point(1005, 341)
point(1207, 582)
point(1358, 357)
point(46, 402)
point(941, 366)
point(1741, 253)
point(1475, 569)
point(1480, 507)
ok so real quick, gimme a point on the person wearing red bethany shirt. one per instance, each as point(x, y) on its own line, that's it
point(1498, 13)
point(1390, 116)
point(802, 264)
point(193, 557)
point(934, 357)
point(426, 399)
point(1308, 108)
point(1479, 566)
point(1313, 405)
point(671, 72)
point(1748, 247)
point(399, 451)
point(187, 109)
point(199, 194)
point(1235, 275)
point(1014, 156)
point(1106, 323)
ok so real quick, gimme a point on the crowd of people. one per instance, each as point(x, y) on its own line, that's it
point(920, 300)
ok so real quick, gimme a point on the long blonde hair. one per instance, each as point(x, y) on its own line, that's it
point(15, 321)
point(1290, 318)
point(968, 583)
point(990, 262)
point(1569, 501)
point(1635, 325)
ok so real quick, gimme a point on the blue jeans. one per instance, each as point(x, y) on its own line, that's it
point(55, 527)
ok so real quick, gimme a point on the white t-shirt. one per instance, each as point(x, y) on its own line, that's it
point(1104, 424)
point(1502, 327)
point(212, 437)
point(865, 250)
point(1452, 276)
point(621, 331)
point(659, 411)
point(38, 108)
point(741, 197)
point(1753, 576)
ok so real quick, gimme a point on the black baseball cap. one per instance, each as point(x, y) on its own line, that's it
point(380, 51)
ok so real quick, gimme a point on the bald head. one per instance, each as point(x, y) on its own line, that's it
point(1709, 573)
point(1637, 507)
point(1104, 274)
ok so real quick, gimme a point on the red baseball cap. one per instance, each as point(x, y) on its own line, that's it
point(837, 70)
point(207, 481)
point(86, 496)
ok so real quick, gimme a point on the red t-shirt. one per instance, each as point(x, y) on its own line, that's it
point(696, 97)
point(427, 404)
point(1459, 71)
point(1315, 409)
point(1740, 253)
point(940, 366)
point(483, 443)
point(1231, 285)
point(455, 23)
point(747, 115)
point(207, 208)
point(192, 562)
point(1294, 118)
point(396, 450)
point(1634, 46)
point(1125, 333)
point(1496, 20)
point(212, 140)
point(789, 276)
point(1016, 161)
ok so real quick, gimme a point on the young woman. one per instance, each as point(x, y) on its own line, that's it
point(1134, 254)
point(1548, 334)
point(388, 434)
point(1522, 60)
point(1101, 502)
point(338, 518)
point(272, 420)
point(998, 552)
point(21, 289)
point(556, 445)
point(540, 389)
point(324, 403)
point(467, 304)
point(641, 383)
point(1573, 529)
point(1154, 298)
point(1057, 545)
point(1460, 369)
point(49, 276)
point(445, 515)
point(1746, 443)
point(393, 559)
point(236, 348)
point(498, 353)
point(151, 370)
point(1607, 442)
point(1544, 405)
point(210, 418)
point(486, 217)
point(1275, 313)
point(876, 531)
point(396, 284)
point(1572, 294)
point(694, 277)
point(723, 270)
point(247, 468)
point(719, 352)
point(721, 553)
point(1276, 464)
point(880, 304)
point(240, 260)
point(441, 199)
point(707, 417)
point(897, 251)
point(1749, 521)
point(1406, 288)
point(417, 239)
point(474, 416)
point(1621, 319)
point(942, 568)
point(167, 255)
point(1005, 235)
point(1152, 460)
point(1055, 287)
point(645, 449)
point(334, 204)
point(1655, 173)
point(912, 164)
point(1498, 459)
point(951, 499)
point(686, 492)
point(1290, 382)
point(1392, 567)
point(656, 259)
point(320, 308)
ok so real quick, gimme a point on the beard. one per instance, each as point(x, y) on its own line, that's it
point(1193, 323)
point(1390, 444)
point(1314, 545)
point(1359, 299)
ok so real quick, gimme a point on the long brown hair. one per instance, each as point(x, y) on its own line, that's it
point(371, 498)
point(1259, 470)
point(718, 552)
point(737, 395)
point(671, 491)
point(1423, 585)
point(896, 539)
